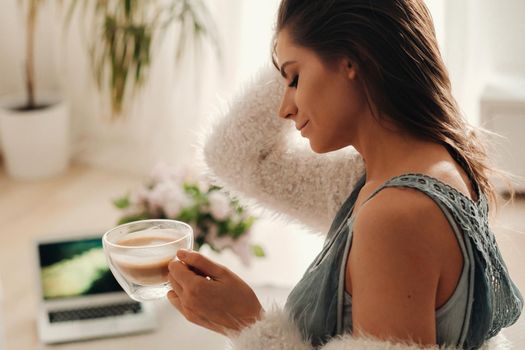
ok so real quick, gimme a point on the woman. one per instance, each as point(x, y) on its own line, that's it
point(409, 257)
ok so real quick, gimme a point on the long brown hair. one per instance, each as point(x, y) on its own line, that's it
point(394, 47)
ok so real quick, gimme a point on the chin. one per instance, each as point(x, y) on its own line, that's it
point(317, 148)
point(325, 148)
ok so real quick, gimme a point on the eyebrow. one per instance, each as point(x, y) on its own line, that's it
point(283, 72)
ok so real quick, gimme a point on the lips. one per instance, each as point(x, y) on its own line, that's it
point(302, 126)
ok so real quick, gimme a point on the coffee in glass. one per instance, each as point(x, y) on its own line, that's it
point(138, 254)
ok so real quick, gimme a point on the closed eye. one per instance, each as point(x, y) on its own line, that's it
point(294, 81)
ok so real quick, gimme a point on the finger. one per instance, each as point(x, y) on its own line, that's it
point(177, 288)
point(198, 261)
point(181, 273)
point(191, 315)
point(174, 300)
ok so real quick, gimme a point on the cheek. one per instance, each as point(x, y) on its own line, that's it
point(336, 117)
point(357, 99)
point(313, 95)
point(332, 104)
point(349, 106)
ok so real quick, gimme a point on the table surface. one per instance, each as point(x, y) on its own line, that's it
point(78, 201)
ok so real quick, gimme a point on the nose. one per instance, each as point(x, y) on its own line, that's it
point(288, 107)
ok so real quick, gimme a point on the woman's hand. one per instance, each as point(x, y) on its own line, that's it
point(210, 295)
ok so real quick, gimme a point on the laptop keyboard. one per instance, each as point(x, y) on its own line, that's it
point(90, 313)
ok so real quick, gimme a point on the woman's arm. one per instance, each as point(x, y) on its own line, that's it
point(395, 266)
point(248, 152)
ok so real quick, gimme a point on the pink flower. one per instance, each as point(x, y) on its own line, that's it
point(219, 205)
point(139, 196)
point(169, 198)
point(202, 185)
point(217, 242)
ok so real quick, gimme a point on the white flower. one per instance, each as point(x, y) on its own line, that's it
point(158, 193)
point(174, 203)
point(219, 205)
point(197, 232)
point(202, 185)
point(139, 196)
point(169, 198)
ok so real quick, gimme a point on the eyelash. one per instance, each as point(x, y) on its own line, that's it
point(294, 81)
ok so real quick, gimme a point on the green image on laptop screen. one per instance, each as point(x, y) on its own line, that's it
point(75, 268)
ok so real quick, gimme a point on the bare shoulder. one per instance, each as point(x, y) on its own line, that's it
point(403, 215)
point(394, 266)
point(400, 236)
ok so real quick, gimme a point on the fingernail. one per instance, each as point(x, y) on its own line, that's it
point(182, 253)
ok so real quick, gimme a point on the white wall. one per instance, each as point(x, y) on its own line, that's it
point(481, 41)
point(484, 45)
point(162, 122)
point(12, 47)
point(502, 31)
point(437, 10)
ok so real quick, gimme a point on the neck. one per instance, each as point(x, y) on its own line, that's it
point(387, 151)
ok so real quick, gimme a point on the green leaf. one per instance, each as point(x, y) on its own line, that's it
point(249, 221)
point(190, 187)
point(258, 251)
point(121, 44)
point(223, 228)
point(127, 6)
point(122, 202)
point(214, 188)
point(188, 214)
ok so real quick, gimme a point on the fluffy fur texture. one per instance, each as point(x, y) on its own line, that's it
point(247, 151)
point(276, 332)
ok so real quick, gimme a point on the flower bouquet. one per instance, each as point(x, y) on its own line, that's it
point(217, 220)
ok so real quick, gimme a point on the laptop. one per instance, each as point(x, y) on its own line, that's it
point(79, 297)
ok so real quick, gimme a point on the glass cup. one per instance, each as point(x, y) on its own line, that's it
point(138, 254)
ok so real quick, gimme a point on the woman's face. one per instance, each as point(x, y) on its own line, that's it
point(326, 101)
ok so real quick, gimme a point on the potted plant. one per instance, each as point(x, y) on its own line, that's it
point(125, 33)
point(34, 128)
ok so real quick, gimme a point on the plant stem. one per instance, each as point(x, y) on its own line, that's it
point(30, 74)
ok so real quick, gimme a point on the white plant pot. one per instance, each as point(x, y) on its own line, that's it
point(35, 143)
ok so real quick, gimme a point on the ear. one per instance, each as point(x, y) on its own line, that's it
point(349, 68)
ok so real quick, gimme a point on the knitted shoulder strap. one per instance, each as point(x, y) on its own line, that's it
point(498, 302)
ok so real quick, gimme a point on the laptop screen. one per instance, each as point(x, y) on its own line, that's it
point(75, 268)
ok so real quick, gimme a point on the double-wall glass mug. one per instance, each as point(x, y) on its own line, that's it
point(138, 254)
